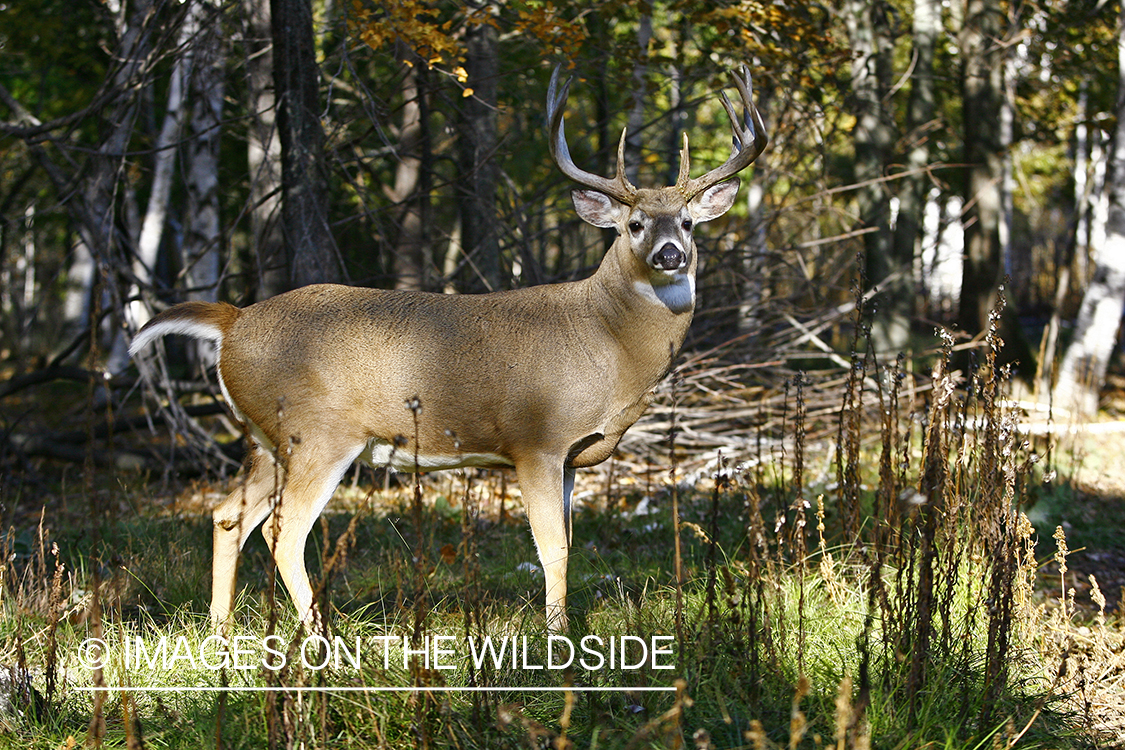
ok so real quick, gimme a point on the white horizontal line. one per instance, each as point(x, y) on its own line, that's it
point(393, 689)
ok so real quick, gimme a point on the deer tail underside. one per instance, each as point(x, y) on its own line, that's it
point(208, 321)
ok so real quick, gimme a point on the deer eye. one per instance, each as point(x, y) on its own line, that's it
point(635, 227)
point(686, 225)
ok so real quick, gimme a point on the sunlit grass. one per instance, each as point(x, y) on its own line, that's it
point(894, 607)
point(818, 615)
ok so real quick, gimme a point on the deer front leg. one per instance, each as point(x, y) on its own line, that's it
point(547, 486)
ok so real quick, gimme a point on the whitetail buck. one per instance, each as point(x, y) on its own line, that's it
point(544, 379)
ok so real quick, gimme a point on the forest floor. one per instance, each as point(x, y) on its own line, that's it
point(1084, 496)
point(1089, 506)
point(1098, 506)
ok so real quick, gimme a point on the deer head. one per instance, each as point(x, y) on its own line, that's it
point(655, 225)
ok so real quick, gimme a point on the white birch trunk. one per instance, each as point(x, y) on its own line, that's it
point(1083, 370)
point(201, 258)
point(164, 169)
point(137, 311)
point(137, 308)
point(870, 38)
point(202, 232)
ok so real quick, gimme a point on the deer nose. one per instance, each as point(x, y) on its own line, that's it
point(669, 258)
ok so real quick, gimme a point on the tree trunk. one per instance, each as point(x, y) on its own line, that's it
point(477, 143)
point(138, 309)
point(198, 72)
point(94, 213)
point(164, 169)
point(870, 37)
point(409, 255)
point(1083, 370)
point(202, 234)
point(921, 111)
point(981, 87)
point(313, 256)
point(636, 121)
point(982, 92)
point(80, 275)
point(677, 121)
point(263, 153)
point(97, 223)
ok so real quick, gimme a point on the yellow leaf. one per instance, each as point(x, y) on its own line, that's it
point(467, 92)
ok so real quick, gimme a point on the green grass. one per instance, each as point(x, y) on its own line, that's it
point(621, 585)
point(864, 620)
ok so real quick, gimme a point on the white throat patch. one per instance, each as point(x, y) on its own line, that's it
point(678, 294)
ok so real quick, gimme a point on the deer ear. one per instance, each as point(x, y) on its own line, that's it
point(714, 201)
point(597, 208)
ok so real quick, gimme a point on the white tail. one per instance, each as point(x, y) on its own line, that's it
point(545, 379)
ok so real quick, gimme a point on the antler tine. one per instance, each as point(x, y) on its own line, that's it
point(748, 141)
point(619, 187)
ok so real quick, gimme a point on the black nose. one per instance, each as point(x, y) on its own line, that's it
point(669, 257)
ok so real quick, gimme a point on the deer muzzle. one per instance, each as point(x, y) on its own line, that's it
point(670, 257)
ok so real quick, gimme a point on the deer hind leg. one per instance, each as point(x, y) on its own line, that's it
point(547, 486)
point(234, 519)
point(314, 472)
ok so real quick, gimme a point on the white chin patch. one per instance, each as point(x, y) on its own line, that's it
point(677, 294)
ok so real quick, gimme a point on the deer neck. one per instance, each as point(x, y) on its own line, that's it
point(646, 312)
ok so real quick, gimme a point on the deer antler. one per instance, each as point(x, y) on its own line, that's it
point(749, 140)
point(619, 187)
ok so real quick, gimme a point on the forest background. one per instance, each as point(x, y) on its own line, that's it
point(941, 176)
point(924, 151)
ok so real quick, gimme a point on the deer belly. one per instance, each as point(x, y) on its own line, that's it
point(380, 452)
